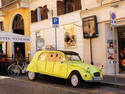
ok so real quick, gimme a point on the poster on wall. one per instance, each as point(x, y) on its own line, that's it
point(110, 51)
point(70, 36)
point(39, 40)
point(90, 28)
point(110, 57)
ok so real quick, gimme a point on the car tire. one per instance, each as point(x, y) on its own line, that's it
point(75, 80)
point(31, 75)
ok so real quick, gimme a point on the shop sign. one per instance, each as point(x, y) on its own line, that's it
point(90, 28)
point(12, 37)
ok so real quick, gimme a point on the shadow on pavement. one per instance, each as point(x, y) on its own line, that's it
point(66, 83)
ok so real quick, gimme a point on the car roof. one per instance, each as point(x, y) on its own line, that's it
point(69, 52)
point(65, 52)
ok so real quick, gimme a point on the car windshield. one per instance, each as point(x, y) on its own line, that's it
point(73, 58)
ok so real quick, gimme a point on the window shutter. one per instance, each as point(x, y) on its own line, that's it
point(41, 12)
point(34, 16)
point(77, 4)
point(45, 12)
point(60, 7)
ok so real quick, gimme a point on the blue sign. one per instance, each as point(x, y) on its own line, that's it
point(113, 18)
point(55, 20)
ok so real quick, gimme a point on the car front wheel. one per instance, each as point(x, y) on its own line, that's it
point(75, 80)
point(31, 75)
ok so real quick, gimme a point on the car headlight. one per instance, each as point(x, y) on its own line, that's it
point(88, 69)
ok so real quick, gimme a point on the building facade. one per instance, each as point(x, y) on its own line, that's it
point(15, 18)
point(84, 27)
point(110, 43)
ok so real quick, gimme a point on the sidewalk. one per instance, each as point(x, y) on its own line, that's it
point(118, 81)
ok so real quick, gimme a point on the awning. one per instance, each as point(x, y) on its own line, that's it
point(13, 37)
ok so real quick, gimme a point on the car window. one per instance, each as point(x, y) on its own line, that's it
point(73, 58)
point(59, 57)
point(50, 57)
point(42, 57)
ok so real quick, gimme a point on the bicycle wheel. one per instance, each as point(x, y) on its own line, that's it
point(14, 70)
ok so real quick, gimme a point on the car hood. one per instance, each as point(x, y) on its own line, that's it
point(85, 66)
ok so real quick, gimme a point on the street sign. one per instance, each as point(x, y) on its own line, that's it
point(55, 24)
point(55, 21)
point(113, 18)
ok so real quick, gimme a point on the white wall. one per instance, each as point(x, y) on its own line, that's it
point(49, 32)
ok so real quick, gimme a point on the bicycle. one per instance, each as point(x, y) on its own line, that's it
point(17, 68)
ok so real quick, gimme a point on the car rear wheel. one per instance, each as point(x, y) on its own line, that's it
point(31, 75)
point(75, 80)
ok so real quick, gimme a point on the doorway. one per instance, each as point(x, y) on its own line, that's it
point(18, 28)
point(121, 44)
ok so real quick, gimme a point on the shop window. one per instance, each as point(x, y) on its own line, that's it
point(1, 26)
point(39, 40)
point(67, 6)
point(70, 36)
point(39, 14)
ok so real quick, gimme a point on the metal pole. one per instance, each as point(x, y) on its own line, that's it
point(91, 51)
point(55, 38)
point(6, 48)
point(90, 45)
point(113, 30)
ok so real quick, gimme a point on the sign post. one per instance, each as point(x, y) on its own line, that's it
point(55, 24)
point(113, 23)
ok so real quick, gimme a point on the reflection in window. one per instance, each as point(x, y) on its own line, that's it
point(50, 57)
point(70, 37)
point(73, 58)
point(59, 57)
point(39, 40)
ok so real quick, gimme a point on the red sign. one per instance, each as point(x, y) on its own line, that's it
point(113, 18)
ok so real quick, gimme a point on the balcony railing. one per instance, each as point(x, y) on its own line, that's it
point(7, 2)
point(18, 3)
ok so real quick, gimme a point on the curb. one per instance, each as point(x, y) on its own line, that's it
point(114, 85)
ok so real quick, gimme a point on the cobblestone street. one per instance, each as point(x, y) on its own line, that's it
point(43, 85)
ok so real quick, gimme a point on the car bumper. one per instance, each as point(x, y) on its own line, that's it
point(95, 79)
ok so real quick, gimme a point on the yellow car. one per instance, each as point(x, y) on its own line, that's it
point(63, 64)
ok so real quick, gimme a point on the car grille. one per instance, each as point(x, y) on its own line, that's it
point(97, 74)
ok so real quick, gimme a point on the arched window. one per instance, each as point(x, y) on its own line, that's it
point(18, 23)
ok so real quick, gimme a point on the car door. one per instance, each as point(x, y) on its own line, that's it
point(60, 66)
point(42, 62)
point(50, 62)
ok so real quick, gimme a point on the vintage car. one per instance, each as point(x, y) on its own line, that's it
point(63, 64)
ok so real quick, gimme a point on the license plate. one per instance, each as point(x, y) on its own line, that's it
point(97, 78)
